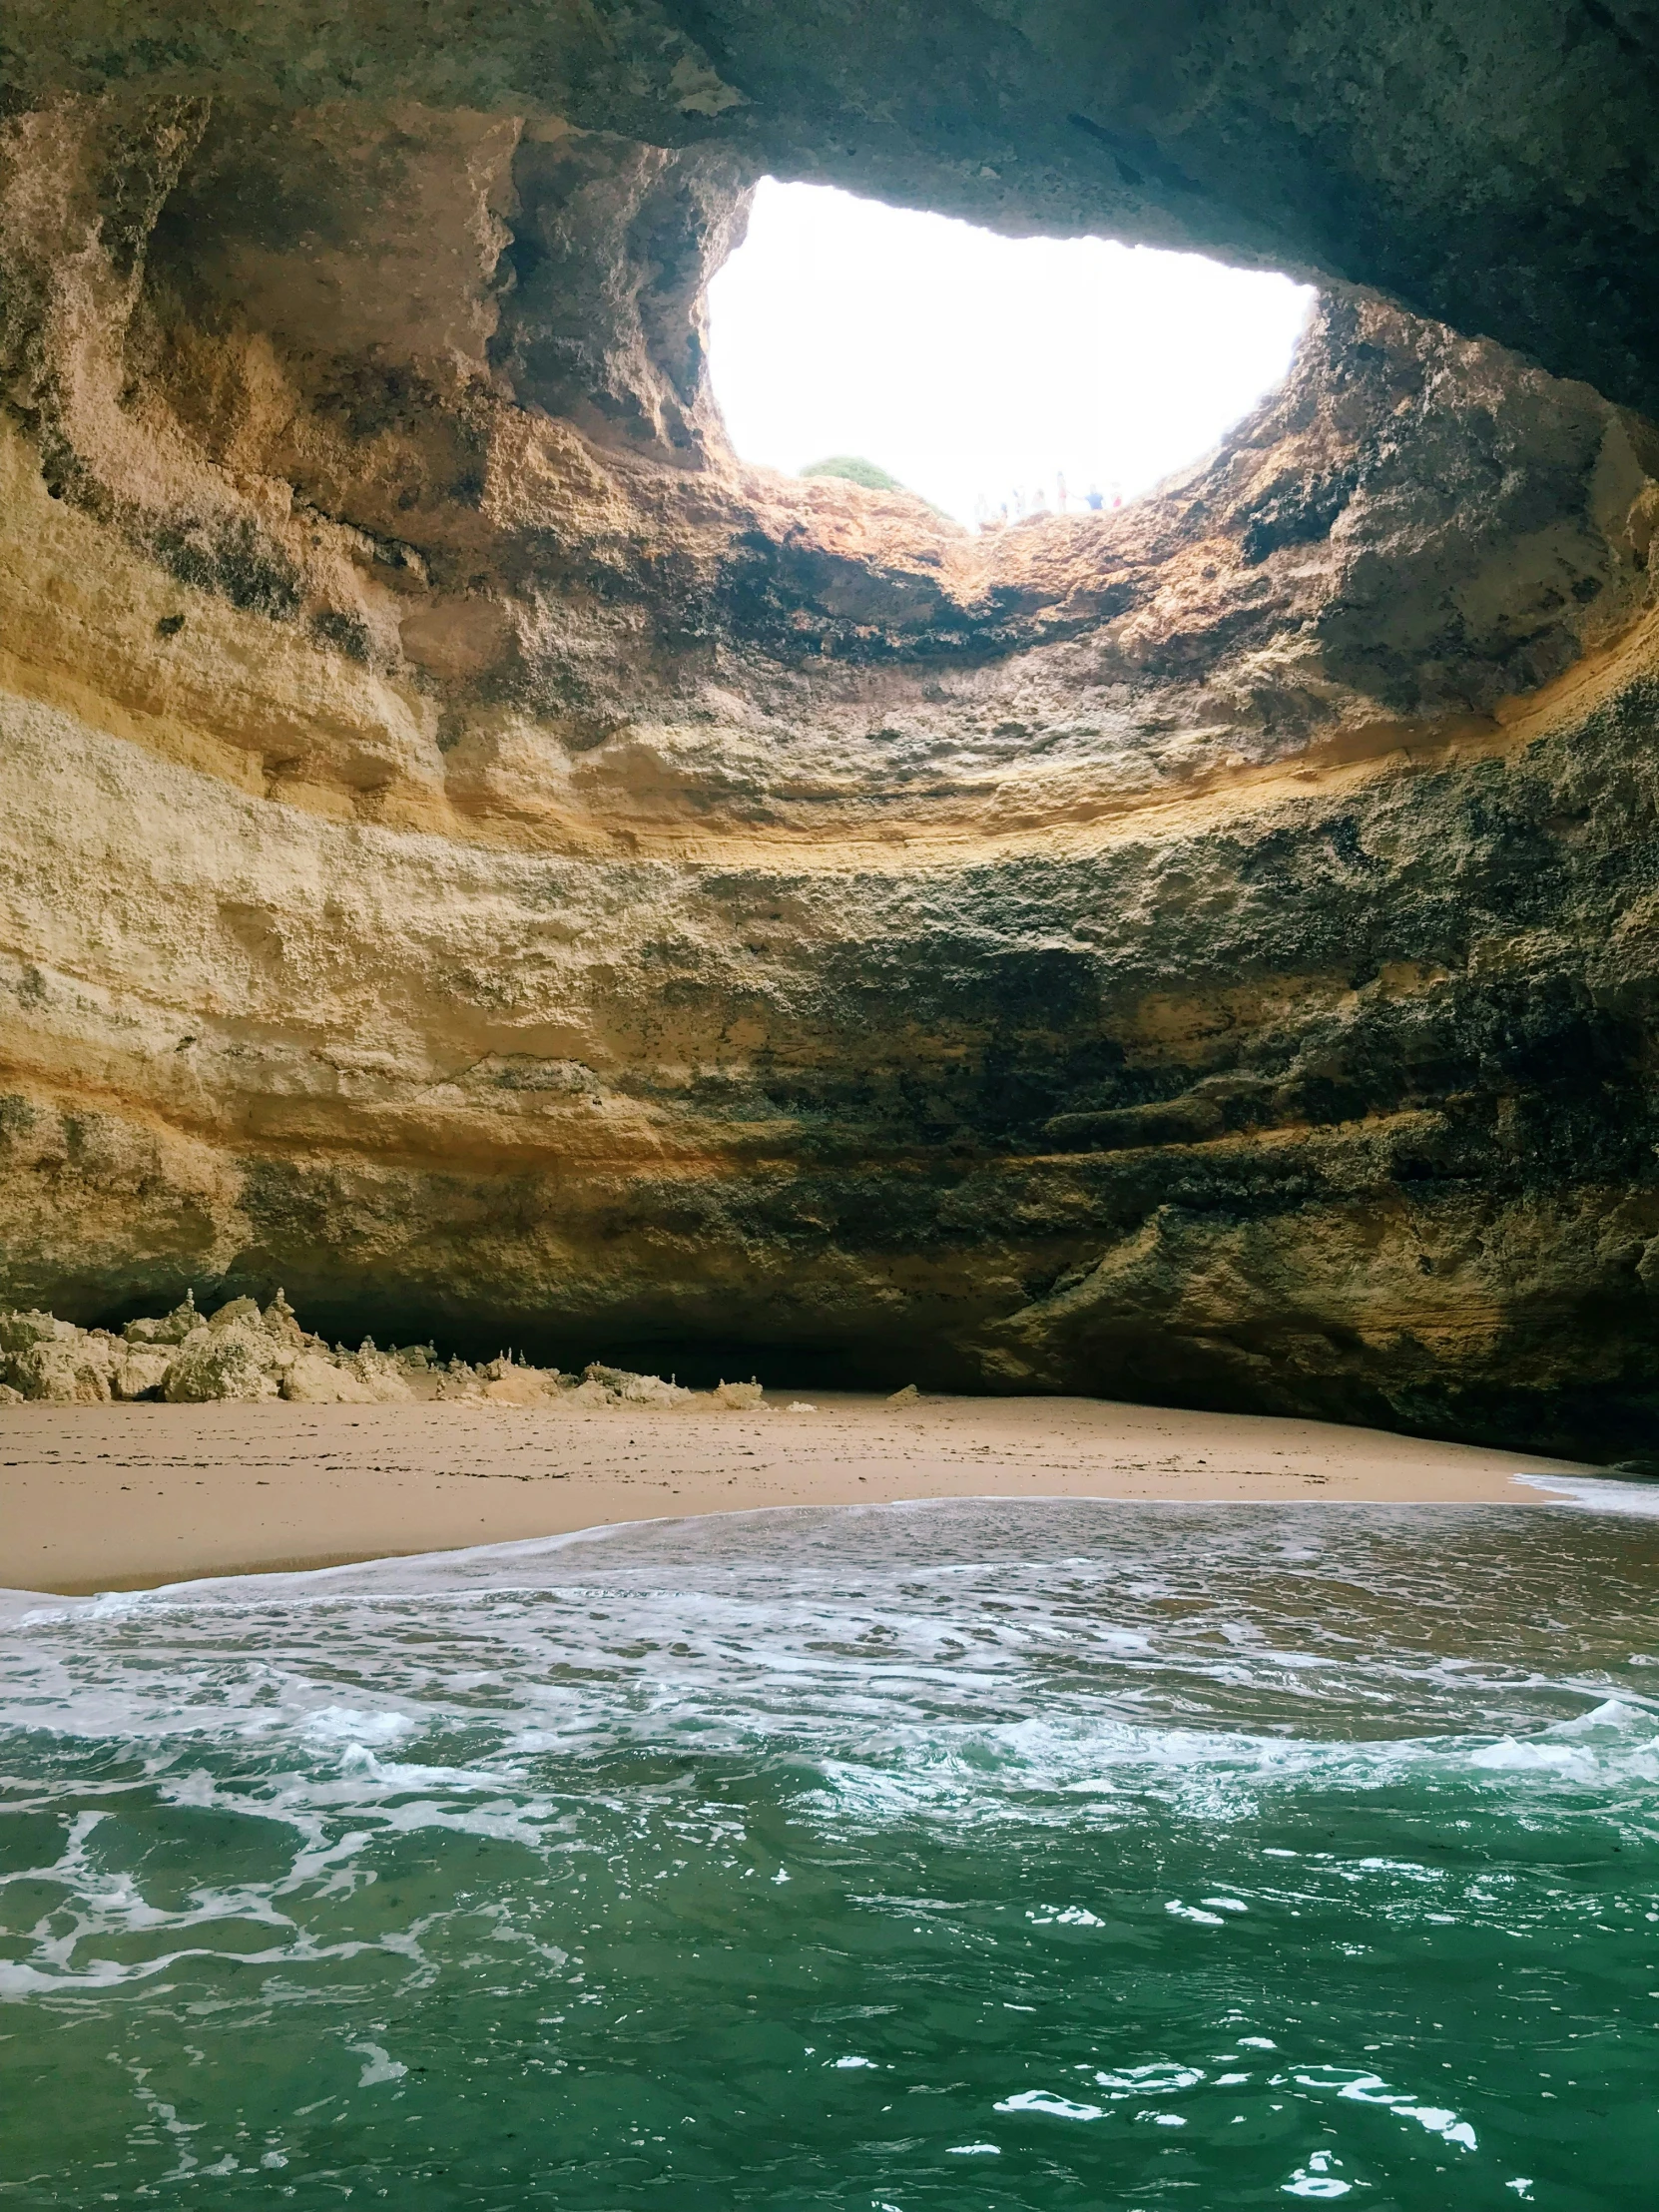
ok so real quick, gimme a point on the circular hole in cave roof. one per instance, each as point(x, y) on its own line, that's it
point(981, 370)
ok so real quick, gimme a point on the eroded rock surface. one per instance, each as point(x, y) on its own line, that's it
point(1490, 168)
point(482, 856)
point(240, 1355)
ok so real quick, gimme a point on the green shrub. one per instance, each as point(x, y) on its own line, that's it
point(857, 470)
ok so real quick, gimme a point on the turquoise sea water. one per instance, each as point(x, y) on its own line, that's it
point(1046, 1858)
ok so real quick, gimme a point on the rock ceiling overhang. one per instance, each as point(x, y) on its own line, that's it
point(1489, 168)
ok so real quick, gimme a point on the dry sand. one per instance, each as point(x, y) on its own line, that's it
point(111, 1497)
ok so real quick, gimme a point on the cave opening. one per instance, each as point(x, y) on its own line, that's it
point(995, 376)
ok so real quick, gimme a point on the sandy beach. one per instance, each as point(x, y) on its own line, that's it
point(108, 1498)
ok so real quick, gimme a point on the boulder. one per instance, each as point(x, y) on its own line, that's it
point(237, 1309)
point(520, 1386)
point(20, 1329)
point(461, 1384)
point(315, 1379)
point(62, 1371)
point(141, 1371)
point(586, 1395)
point(236, 1361)
point(380, 1375)
point(623, 1388)
point(167, 1329)
point(50, 1360)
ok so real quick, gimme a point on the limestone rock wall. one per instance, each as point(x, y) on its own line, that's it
point(1487, 167)
point(481, 857)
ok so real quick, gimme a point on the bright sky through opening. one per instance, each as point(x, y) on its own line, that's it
point(974, 367)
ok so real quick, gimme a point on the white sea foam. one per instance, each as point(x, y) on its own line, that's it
point(953, 1665)
point(1599, 1494)
point(903, 1680)
point(427, 1829)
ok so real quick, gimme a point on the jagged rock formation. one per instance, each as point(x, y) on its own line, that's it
point(189, 1358)
point(480, 855)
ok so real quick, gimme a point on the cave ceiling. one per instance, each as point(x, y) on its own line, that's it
point(1492, 168)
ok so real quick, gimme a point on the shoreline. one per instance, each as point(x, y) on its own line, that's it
point(135, 1496)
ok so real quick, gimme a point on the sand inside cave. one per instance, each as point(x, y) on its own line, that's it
point(111, 1496)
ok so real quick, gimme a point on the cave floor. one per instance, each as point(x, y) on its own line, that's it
point(98, 1498)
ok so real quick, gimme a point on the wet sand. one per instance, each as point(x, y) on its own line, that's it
point(113, 1497)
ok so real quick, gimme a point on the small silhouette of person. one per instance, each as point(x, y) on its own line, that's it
point(1094, 499)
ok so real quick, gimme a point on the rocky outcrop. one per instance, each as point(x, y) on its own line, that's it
point(482, 856)
point(240, 1353)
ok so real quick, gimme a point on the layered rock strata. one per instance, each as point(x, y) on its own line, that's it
point(480, 855)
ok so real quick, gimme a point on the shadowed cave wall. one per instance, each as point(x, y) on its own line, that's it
point(481, 856)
